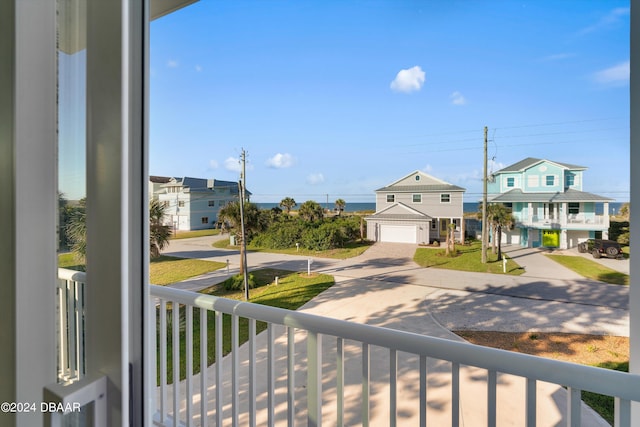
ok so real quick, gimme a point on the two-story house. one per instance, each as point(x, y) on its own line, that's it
point(194, 203)
point(548, 204)
point(417, 208)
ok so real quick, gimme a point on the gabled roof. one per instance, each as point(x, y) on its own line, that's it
point(425, 184)
point(570, 195)
point(400, 211)
point(532, 161)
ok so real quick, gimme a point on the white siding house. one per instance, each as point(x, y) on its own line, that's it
point(194, 203)
point(416, 209)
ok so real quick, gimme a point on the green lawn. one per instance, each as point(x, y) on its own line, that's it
point(195, 233)
point(293, 291)
point(468, 258)
point(591, 269)
point(350, 250)
point(68, 260)
point(166, 269)
point(604, 405)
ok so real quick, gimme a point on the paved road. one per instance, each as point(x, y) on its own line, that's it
point(547, 297)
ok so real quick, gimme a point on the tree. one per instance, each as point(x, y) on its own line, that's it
point(158, 232)
point(311, 211)
point(230, 214)
point(625, 210)
point(288, 203)
point(77, 230)
point(500, 217)
point(340, 204)
point(451, 239)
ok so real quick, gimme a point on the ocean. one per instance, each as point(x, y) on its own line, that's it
point(468, 207)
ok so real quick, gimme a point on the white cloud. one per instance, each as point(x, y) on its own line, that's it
point(611, 19)
point(280, 161)
point(198, 68)
point(232, 164)
point(213, 164)
point(427, 169)
point(172, 63)
point(614, 76)
point(457, 98)
point(407, 81)
point(315, 178)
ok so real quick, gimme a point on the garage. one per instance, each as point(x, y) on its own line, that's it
point(398, 233)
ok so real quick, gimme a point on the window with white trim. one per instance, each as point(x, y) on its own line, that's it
point(417, 198)
point(550, 180)
point(445, 198)
point(391, 198)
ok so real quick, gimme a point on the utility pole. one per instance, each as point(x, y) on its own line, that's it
point(485, 231)
point(243, 251)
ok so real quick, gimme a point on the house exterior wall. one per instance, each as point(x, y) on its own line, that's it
point(430, 203)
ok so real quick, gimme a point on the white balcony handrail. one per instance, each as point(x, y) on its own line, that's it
point(70, 324)
point(623, 386)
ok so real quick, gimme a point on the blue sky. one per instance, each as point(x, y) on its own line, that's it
point(340, 98)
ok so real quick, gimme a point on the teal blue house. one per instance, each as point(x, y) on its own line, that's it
point(548, 203)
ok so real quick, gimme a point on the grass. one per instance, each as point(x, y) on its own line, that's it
point(68, 260)
point(591, 269)
point(350, 250)
point(609, 352)
point(195, 233)
point(166, 269)
point(467, 258)
point(293, 291)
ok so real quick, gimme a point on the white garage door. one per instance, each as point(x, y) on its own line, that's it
point(398, 233)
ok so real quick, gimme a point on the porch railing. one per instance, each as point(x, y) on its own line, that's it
point(70, 290)
point(311, 368)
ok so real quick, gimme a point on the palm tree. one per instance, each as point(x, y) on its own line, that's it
point(230, 214)
point(499, 216)
point(287, 203)
point(158, 232)
point(76, 230)
point(311, 211)
point(340, 204)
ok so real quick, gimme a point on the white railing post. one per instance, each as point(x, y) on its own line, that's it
point(314, 379)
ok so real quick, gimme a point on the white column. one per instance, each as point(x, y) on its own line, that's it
point(116, 204)
point(28, 204)
point(634, 288)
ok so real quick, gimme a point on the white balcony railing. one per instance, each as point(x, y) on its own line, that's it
point(571, 220)
point(70, 325)
point(280, 375)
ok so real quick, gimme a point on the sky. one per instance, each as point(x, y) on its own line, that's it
point(335, 99)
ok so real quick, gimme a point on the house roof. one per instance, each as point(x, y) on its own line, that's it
point(424, 183)
point(570, 195)
point(159, 179)
point(532, 161)
point(400, 211)
point(202, 184)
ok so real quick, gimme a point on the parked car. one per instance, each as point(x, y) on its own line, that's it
point(600, 247)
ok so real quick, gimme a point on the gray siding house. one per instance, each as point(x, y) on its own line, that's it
point(417, 208)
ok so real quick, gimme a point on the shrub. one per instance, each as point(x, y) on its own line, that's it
point(236, 283)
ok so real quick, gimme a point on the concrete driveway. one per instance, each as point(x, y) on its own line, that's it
point(384, 287)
